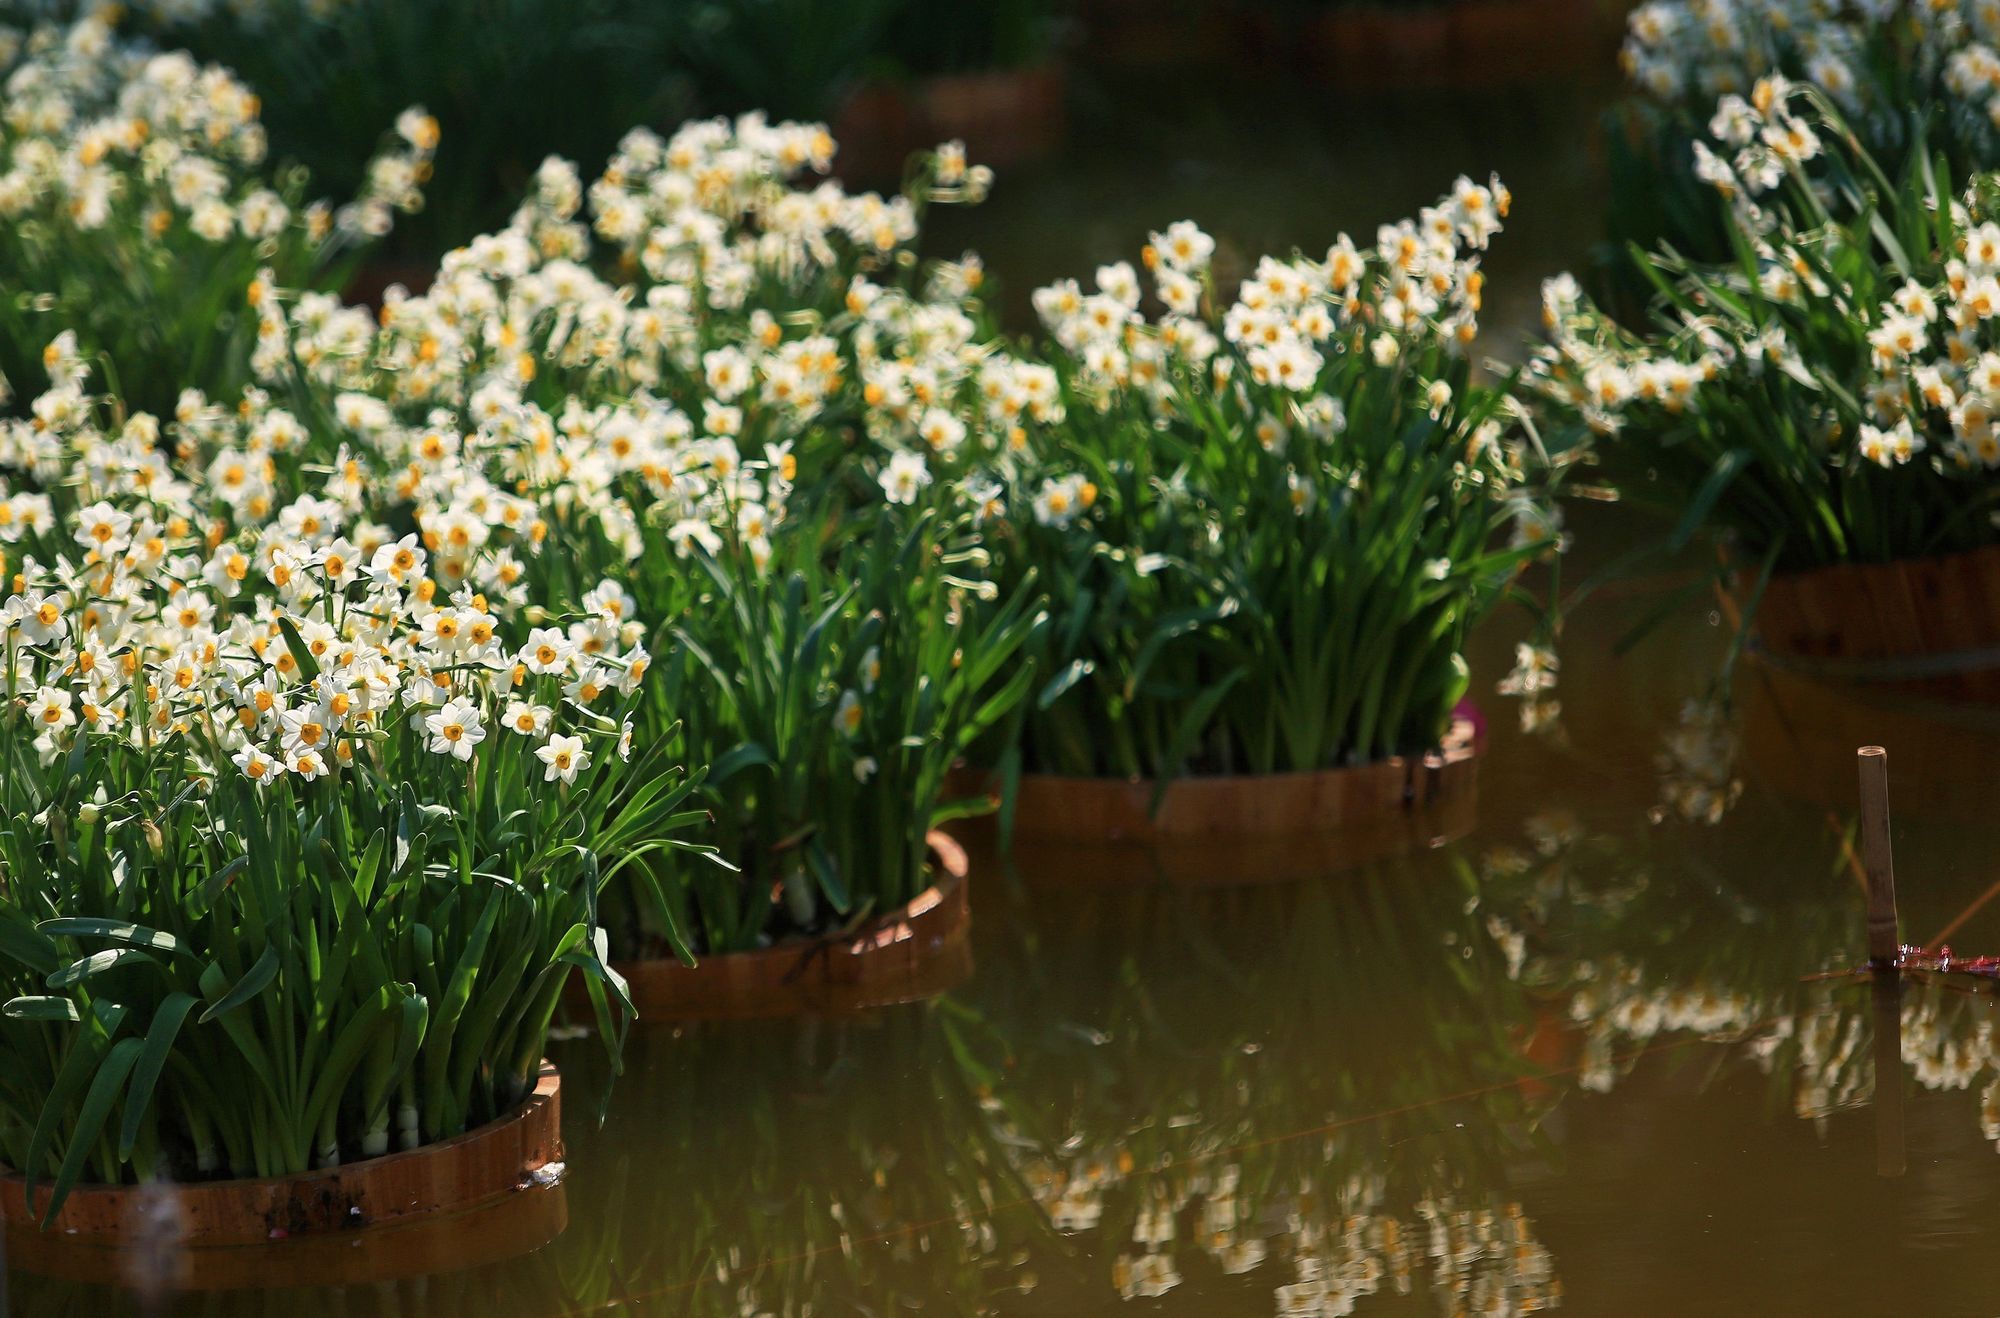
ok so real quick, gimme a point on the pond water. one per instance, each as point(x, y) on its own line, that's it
point(1584, 1057)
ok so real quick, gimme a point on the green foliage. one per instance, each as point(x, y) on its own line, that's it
point(831, 688)
point(510, 81)
point(1892, 70)
point(262, 889)
point(142, 218)
point(1214, 623)
point(1771, 399)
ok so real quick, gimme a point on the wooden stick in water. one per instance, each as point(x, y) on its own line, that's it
point(1884, 942)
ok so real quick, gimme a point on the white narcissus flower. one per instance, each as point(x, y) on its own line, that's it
point(562, 757)
point(101, 526)
point(905, 477)
point(1183, 248)
point(307, 764)
point(455, 729)
point(1301, 492)
point(547, 650)
point(256, 765)
point(51, 708)
point(304, 728)
point(528, 720)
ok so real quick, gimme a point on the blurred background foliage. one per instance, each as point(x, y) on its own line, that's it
point(1022, 81)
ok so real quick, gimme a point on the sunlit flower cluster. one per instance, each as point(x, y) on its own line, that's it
point(1935, 355)
point(683, 396)
point(718, 209)
point(103, 133)
point(279, 633)
point(1689, 52)
point(738, 292)
point(1281, 360)
point(1420, 278)
point(139, 212)
point(1606, 377)
point(1932, 385)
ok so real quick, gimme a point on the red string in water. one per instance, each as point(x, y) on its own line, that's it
point(1943, 962)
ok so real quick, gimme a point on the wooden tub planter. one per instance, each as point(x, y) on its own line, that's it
point(1248, 828)
point(371, 282)
point(1926, 626)
point(489, 1194)
point(1472, 43)
point(912, 953)
point(1005, 117)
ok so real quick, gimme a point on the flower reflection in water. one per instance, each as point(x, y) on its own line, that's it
point(1180, 1140)
point(1767, 979)
point(1697, 760)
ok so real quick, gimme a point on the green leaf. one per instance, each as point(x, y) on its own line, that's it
point(1720, 475)
point(413, 1022)
point(1077, 670)
point(37, 1008)
point(826, 871)
point(1170, 628)
point(746, 755)
point(22, 942)
point(78, 1064)
point(346, 1054)
point(1192, 721)
point(308, 666)
point(253, 982)
point(160, 1038)
point(212, 887)
point(104, 1087)
point(369, 866)
point(96, 964)
point(1887, 237)
point(118, 931)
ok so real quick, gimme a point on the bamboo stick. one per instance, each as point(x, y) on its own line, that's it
point(1884, 943)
